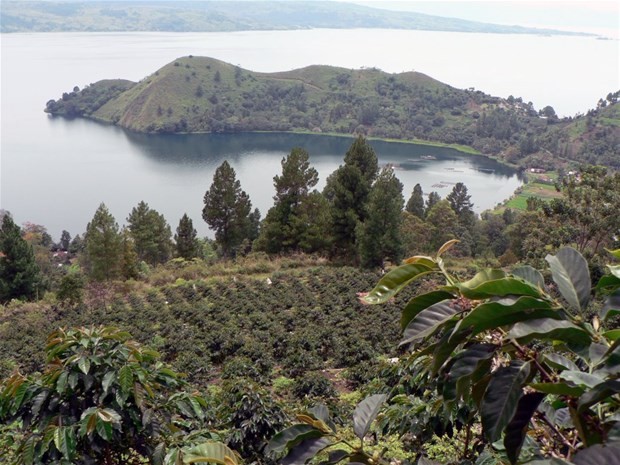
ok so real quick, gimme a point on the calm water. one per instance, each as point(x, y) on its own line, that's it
point(55, 172)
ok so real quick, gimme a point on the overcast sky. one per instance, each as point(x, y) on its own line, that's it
point(600, 17)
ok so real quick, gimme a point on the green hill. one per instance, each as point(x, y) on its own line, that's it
point(199, 94)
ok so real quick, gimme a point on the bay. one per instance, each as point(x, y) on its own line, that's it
point(55, 172)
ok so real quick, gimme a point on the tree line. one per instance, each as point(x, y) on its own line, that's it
point(360, 218)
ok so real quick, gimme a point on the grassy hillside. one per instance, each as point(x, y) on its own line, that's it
point(184, 16)
point(199, 94)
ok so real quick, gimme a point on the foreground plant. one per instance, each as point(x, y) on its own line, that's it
point(105, 399)
point(524, 360)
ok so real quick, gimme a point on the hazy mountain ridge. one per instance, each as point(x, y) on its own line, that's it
point(202, 16)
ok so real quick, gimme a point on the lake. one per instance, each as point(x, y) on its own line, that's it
point(55, 172)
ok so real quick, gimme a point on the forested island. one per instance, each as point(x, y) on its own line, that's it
point(278, 342)
point(199, 94)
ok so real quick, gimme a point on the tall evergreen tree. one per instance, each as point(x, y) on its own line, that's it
point(227, 210)
point(433, 198)
point(284, 227)
point(186, 239)
point(129, 257)
point(65, 240)
point(379, 237)
point(19, 273)
point(103, 246)
point(461, 204)
point(347, 191)
point(151, 234)
point(415, 204)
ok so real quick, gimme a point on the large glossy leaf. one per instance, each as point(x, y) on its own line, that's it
point(365, 413)
point(607, 283)
point(560, 389)
point(394, 281)
point(531, 275)
point(290, 437)
point(612, 306)
point(597, 394)
point(559, 362)
point(427, 321)
point(305, 451)
point(493, 283)
point(570, 272)
point(125, 379)
point(598, 454)
point(501, 398)
point(65, 441)
point(211, 452)
point(614, 270)
point(581, 379)
point(550, 330)
point(506, 311)
point(517, 428)
point(443, 349)
point(465, 365)
point(419, 303)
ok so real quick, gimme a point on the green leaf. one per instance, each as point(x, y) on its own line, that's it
point(447, 246)
point(598, 454)
point(581, 379)
point(109, 415)
point(465, 365)
point(159, 454)
point(108, 379)
point(560, 389)
point(615, 253)
point(125, 378)
point(570, 272)
point(419, 303)
point(506, 311)
point(321, 412)
point(211, 452)
point(598, 393)
point(607, 283)
point(290, 437)
point(531, 275)
point(64, 440)
point(61, 382)
point(365, 413)
point(517, 428)
point(501, 398)
point(612, 335)
point(305, 451)
point(550, 330)
point(84, 365)
point(559, 362)
point(614, 270)
point(429, 320)
point(104, 429)
point(612, 306)
point(28, 451)
point(395, 281)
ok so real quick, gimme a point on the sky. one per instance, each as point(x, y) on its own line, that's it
point(598, 17)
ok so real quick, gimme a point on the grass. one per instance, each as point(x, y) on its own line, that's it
point(532, 189)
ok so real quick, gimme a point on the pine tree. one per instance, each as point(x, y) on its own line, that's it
point(287, 221)
point(379, 237)
point(227, 210)
point(461, 204)
point(19, 273)
point(347, 191)
point(433, 198)
point(65, 240)
point(151, 234)
point(129, 257)
point(415, 204)
point(103, 246)
point(186, 239)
